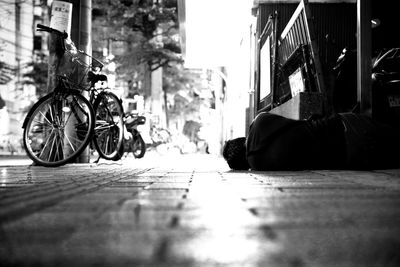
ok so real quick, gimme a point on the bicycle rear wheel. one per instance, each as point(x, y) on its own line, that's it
point(58, 128)
point(109, 130)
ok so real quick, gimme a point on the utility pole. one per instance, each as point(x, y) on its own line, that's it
point(81, 35)
point(60, 19)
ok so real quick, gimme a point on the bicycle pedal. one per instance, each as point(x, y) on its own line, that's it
point(97, 160)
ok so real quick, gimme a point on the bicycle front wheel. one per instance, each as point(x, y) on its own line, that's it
point(109, 131)
point(58, 128)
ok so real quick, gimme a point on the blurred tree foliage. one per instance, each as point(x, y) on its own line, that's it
point(138, 33)
point(142, 36)
point(38, 74)
point(179, 83)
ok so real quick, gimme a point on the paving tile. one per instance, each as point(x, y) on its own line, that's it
point(119, 214)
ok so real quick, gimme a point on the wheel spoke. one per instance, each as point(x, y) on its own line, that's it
point(45, 147)
point(70, 143)
point(44, 116)
point(52, 147)
point(59, 151)
point(58, 129)
point(108, 138)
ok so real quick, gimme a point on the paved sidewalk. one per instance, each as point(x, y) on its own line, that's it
point(193, 211)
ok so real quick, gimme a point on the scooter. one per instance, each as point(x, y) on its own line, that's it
point(385, 84)
point(133, 141)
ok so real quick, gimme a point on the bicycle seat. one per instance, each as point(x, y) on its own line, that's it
point(94, 78)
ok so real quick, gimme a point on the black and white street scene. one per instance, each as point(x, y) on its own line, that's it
point(188, 133)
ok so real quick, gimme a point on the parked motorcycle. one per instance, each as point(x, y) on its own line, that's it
point(133, 141)
point(385, 84)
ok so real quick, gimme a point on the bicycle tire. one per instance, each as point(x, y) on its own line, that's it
point(138, 147)
point(109, 131)
point(58, 128)
point(121, 151)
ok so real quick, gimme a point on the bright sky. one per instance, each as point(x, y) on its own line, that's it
point(214, 29)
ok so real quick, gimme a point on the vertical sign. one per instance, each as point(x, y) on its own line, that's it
point(265, 69)
point(61, 16)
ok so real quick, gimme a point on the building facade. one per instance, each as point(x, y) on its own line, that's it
point(17, 52)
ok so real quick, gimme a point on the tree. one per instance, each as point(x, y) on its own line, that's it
point(141, 33)
point(176, 79)
point(184, 96)
point(142, 36)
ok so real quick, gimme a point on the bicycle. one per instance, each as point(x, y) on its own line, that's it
point(61, 124)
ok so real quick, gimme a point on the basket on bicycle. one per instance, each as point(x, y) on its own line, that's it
point(75, 65)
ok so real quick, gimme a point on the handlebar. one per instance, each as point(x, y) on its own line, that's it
point(44, 28)
point(64, 35)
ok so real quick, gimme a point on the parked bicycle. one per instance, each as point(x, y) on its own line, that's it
point(61, 124)
point(133, 140)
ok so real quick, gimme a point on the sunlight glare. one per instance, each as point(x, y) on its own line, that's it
point(213, 30)
point(226, 221)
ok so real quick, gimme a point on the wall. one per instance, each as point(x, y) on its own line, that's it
point(334, 25)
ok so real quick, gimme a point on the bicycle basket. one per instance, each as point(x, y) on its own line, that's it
point(75, 66)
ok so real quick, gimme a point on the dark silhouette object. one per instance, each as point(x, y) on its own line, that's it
point(342, 141)
point(345, 89)
point(235, 154)
point(133, 140)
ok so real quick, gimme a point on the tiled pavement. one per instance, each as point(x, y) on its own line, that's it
point(174, 214)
